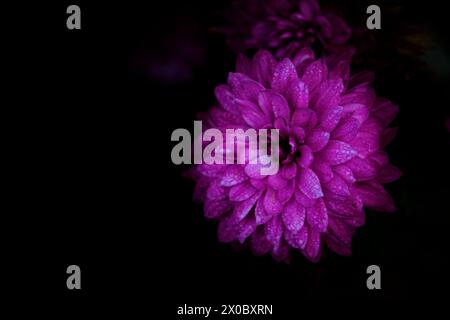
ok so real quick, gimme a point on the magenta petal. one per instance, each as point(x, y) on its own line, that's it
point(337, 152)
point(325, 27)
point(309, 8)
point(341, 31)
point(200, 189)
point(271, 202)
point(276, 181)
point(259, 184)
point(246, 228)
point(284, 74)
point(278, 103)
point(263, 64)
point(344, 206)
point(286, 193)
point(341, 232)
point(241, 191)
point(329, 119)
point(312, 249)
point(329, 94)
point(297, 240)
point(254, 119)
point(389, 173)
point(357, 111)
point(363, 169)
point(302, 58)
point(338, 186)
point(232, 176)
point(361, 78)
point(289, 171)
point(346, 130)
point(387, 136)
point(345, 173)
point(306, 157)
point(375, 197)
point(366, 143)
point(259, 243)
point(216, 191)
point(317, 216)
point(301, 117)
point(297, 94)
point(384, 110)
point(211, 170)
point(323, 171)
point(314, 74)
point(309, 184)
point(293, 216)
point(226, 99)
point(281, 252)
point(254, 171)
point(261, 215)
point(317, 139)
point(242, 209)
point(303, 200)
point(215, 208)
point(274, 230)
point(227, 231)
point(244, 87)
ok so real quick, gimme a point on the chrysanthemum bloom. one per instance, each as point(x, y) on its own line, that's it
point(285, 26)
point(332, 130)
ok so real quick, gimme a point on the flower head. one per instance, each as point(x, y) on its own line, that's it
point(285, 26)
point(332, 129)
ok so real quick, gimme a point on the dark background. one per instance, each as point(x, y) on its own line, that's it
point(100, 191)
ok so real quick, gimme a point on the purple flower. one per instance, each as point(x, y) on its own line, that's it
point(285, 26)
point(332, 130)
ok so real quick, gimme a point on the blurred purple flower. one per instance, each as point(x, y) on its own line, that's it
point(332, 131)
point(285, 26)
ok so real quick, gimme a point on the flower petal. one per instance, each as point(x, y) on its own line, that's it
point(276, 181)
point(293, 216)
point(297, 94)
point(309, 183)
point(242, 209)
point(244, 87)
point(215, 208)
point(306, 157)
point(241, 191)
point(337, 152)
point(232, 176)
point(216, 191)
point(284, 74)
point(317, 216)
point(312, 249)
point(297, 240)
point(274, 230)
point(226, 99)
point(317, 139)
point(287, 192)
point(338, 186)
point(271, 202)
point(375, 197)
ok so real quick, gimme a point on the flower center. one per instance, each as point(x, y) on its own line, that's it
point(288, 149)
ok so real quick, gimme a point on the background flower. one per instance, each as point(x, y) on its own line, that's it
point(284, 27)
point(332, 131)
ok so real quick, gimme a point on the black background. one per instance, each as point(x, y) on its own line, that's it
point(97, 187)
